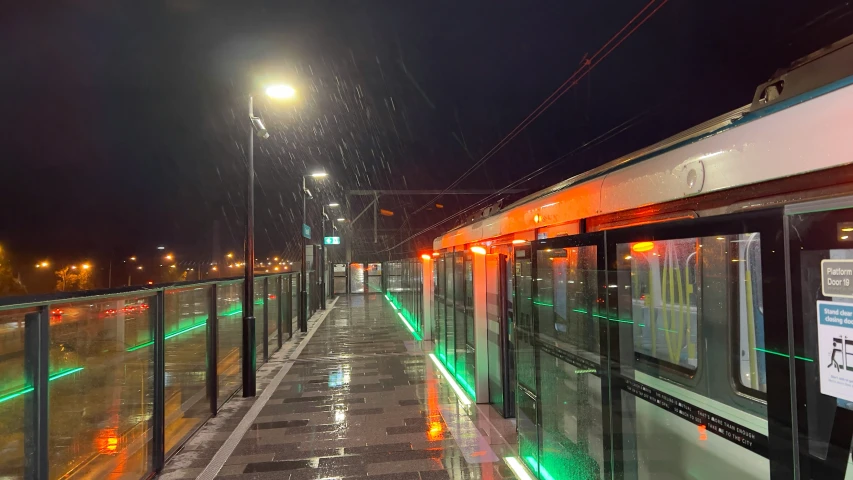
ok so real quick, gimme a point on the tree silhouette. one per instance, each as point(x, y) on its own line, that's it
point(10, 284)
point(71, 277)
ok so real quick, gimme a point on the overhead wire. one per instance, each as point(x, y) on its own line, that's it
point(587, 66)
point(616, 130)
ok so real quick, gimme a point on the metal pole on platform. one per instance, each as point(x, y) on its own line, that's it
point(303, 285)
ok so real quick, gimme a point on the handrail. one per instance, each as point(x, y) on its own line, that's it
point(25, 301)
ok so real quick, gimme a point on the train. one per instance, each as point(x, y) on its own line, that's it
point(668, 315)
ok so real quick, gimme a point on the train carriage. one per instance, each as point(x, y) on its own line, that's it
point(666, 314)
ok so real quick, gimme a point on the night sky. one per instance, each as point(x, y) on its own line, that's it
point(124, 123)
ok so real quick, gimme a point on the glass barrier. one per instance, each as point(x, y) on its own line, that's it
point(187, 312)
point(260, 339)
point(272, 315)
point(15, 391)
point(229, 311)
point(100, 397)
point(101, 371)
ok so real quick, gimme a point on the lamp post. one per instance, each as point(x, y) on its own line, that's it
point(303, 282)
point(248, 346)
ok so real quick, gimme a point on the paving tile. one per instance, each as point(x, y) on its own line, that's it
point(277, 466)
point(280, 424)
point(406, 429)
point(382, 447)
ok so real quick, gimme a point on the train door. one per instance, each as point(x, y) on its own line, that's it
point(499, 353)
point(820, 269)
point(571, 387)
point(526, 400)
point(339, 283)
point(698, 346)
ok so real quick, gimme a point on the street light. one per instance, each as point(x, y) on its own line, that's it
point(248, 346)
point(303, 282)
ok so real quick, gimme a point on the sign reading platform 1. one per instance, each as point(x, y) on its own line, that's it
point(331, 240)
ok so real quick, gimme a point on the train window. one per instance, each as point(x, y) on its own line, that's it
point(664, 299)
point(745, 252)
point(568, 301)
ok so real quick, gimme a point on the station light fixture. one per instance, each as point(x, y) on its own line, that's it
point(281, 92)
point(643, 246)
point(479, 250)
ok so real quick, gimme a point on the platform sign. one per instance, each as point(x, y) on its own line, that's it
point(836, 278)
point(331, 240)
point(835, 348)
point(306, 231)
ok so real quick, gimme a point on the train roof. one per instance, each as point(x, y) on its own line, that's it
point(716, 147)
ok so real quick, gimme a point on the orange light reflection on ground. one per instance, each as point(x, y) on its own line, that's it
point(436, 429)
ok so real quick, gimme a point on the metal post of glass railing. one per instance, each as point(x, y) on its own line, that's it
point(279, 315)
point(36, 350)
point(212, 351)
point(159, 335)
point(266, 319)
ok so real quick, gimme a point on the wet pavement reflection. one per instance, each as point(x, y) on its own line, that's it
point(364, 400)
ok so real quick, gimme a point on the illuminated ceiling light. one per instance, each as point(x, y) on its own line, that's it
point(628, 257)
point(845, 237)
point(480, 250)
point(161, 248)
point(319, 174)
point(847, 229)
point(721, 238)
point(435, 254)
point(281, 91)
point(426, 256)
point(342, 219)
point(334, 204)
point(643, 246)
point(518, 241)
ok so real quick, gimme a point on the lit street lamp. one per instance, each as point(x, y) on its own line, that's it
point(248, 350)
point(303, 282)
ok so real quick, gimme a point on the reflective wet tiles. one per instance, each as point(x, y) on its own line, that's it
point(364, 400)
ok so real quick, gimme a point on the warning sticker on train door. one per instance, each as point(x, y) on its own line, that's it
point(835, 346)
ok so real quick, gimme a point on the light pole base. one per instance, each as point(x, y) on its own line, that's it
point(248, 360)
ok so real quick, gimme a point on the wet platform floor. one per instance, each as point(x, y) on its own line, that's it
point(361, 400)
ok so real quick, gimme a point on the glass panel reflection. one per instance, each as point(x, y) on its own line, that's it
point(186, 315)
point(15, 390)
point(230, 315)
point(260, 339)
point(273, 303)
point(102, 400)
